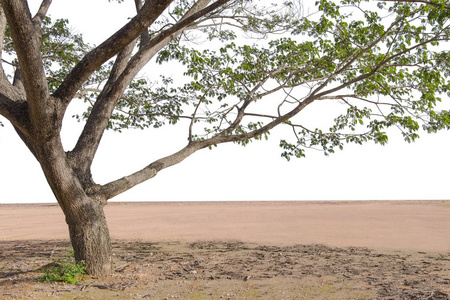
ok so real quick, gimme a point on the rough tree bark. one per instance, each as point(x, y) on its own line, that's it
point(84, 215)
point(89, 235)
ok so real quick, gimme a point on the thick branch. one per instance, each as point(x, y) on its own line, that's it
point(26, 140)
point(90, 138)
point(145, 36)
point(2, 38)
point(9, 94)
point(13, 92)
point(120, 64)
point(121, 185)
point(85, 149)
point(27, 45)
point(95, 58)
point(17, 113)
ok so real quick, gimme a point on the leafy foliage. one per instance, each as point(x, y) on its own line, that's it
point(385, 63)
point(66, 270)
point(61, 50)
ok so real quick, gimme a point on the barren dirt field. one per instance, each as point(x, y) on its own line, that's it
point(240, 250)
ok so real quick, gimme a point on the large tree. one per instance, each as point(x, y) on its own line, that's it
point(248, 66)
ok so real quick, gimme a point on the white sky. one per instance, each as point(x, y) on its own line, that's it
point(230, 172)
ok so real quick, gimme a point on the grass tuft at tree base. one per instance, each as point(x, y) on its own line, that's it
point(67, 271)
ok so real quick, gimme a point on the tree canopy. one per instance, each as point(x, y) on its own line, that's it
point(382, 60)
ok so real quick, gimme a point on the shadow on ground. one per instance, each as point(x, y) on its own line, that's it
point(229, 270)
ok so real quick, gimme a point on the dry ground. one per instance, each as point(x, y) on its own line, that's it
point(230, 270)
point(242, 264)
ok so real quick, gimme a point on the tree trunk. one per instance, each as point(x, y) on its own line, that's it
point(84, 215)
point(88, 230)
point(89, 236)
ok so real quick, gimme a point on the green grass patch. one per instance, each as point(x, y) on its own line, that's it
point(66, 270)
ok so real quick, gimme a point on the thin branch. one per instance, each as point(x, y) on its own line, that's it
point(373, 71)
point(250, 98)
point(260, 115)
point(191, 125)
point(447, 6)
point(225, 138)
point(352, 58)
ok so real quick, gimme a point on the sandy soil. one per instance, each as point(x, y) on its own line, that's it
point(242, 250)
point(406, 225)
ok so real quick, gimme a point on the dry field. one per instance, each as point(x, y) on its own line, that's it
point(241, 250)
